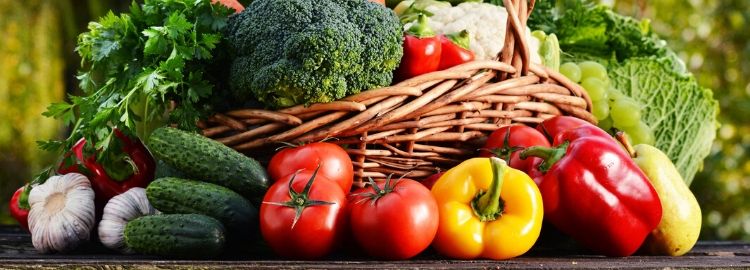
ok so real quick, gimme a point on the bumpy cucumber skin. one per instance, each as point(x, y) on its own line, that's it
point(176, 235)
point(207, 160)
point(181, 196)
point(165, 170)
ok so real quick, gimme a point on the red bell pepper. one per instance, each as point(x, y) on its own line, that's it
point(133, 166)
point(556, 125)
point(593, 191)
point(454, 50)
point(421, 51)
point(19, 207)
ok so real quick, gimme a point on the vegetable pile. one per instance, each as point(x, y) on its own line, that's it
point(681, 113)
point(134, 172)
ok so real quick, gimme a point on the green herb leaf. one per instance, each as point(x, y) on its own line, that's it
point(134, 66)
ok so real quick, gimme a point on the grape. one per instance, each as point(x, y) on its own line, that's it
point(625, 113)
point(591, 69)
point(596, 88)
point(571, 71)
point(642, 134)
point(601, 110)
point(605, 124)
point(615, 94)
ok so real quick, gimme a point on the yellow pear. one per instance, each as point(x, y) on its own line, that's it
point(681, 215)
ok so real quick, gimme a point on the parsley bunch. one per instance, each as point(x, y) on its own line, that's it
point(142, 70)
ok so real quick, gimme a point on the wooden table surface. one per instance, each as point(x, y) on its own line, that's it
point(16, 252)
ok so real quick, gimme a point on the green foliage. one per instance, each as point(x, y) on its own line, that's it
point(135, 64)
point(289, 52)
point(584, 27)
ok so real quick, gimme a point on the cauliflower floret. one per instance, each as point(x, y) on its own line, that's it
point(485, 23)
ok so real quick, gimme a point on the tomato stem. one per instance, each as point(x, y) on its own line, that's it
point(300, 200)
point(380, 192)
point(506, 151)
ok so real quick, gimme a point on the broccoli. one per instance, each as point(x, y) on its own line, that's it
point(289, 52)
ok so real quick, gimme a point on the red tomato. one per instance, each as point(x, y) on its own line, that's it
point(511, 140)
point(397, 220)
point(335, 163)
point(307, 222)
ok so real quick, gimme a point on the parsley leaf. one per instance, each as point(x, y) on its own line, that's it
point(135, 66)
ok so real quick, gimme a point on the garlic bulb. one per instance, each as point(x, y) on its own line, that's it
point(62, 213)
point(118, 211)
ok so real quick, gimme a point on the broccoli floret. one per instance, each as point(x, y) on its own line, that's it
point(289, 52)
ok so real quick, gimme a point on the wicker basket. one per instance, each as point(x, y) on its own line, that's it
point(423, 124)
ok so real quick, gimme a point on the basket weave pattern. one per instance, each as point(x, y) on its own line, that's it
point(422, 124)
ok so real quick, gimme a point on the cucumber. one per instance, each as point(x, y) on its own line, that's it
point(175, 235)
point(165, 170)
point(180, 196)
point(203, 159)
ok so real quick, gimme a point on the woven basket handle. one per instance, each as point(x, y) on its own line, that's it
point(516, 50)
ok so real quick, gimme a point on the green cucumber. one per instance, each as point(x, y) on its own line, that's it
point(203, 159)
point(165, 170)
point(177, 235)
point(180, 196)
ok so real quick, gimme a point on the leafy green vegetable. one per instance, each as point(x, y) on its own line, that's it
point(543, 16)
point(135, 65)
point(681, 112)
point(289, 52)
point(585, 28)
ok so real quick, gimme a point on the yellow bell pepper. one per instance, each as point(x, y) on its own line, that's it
point(487, 210)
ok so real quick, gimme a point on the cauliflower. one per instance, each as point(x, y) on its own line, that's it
point(486, 24)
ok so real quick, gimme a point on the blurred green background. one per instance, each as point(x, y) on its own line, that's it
point(38, 64)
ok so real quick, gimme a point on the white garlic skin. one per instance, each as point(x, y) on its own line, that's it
point(118, 211)
point(62, 213)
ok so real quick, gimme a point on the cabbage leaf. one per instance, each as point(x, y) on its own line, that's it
point(681, 113)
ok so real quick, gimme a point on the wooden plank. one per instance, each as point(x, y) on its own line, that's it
point(16, 252)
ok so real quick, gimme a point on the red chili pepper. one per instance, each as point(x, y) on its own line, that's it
point(455, 50)
point(421, 51)
point(108, 180)
point(19, 207)
point(593, 191)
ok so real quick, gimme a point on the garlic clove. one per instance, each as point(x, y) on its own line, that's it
point(62, 213)
point(118, 211)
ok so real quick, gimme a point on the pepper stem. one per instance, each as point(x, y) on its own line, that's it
point(420, 28)
point(488, 205)
point(550, 155)
point(461, 39)
point(622, 138)
point(23, 199)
